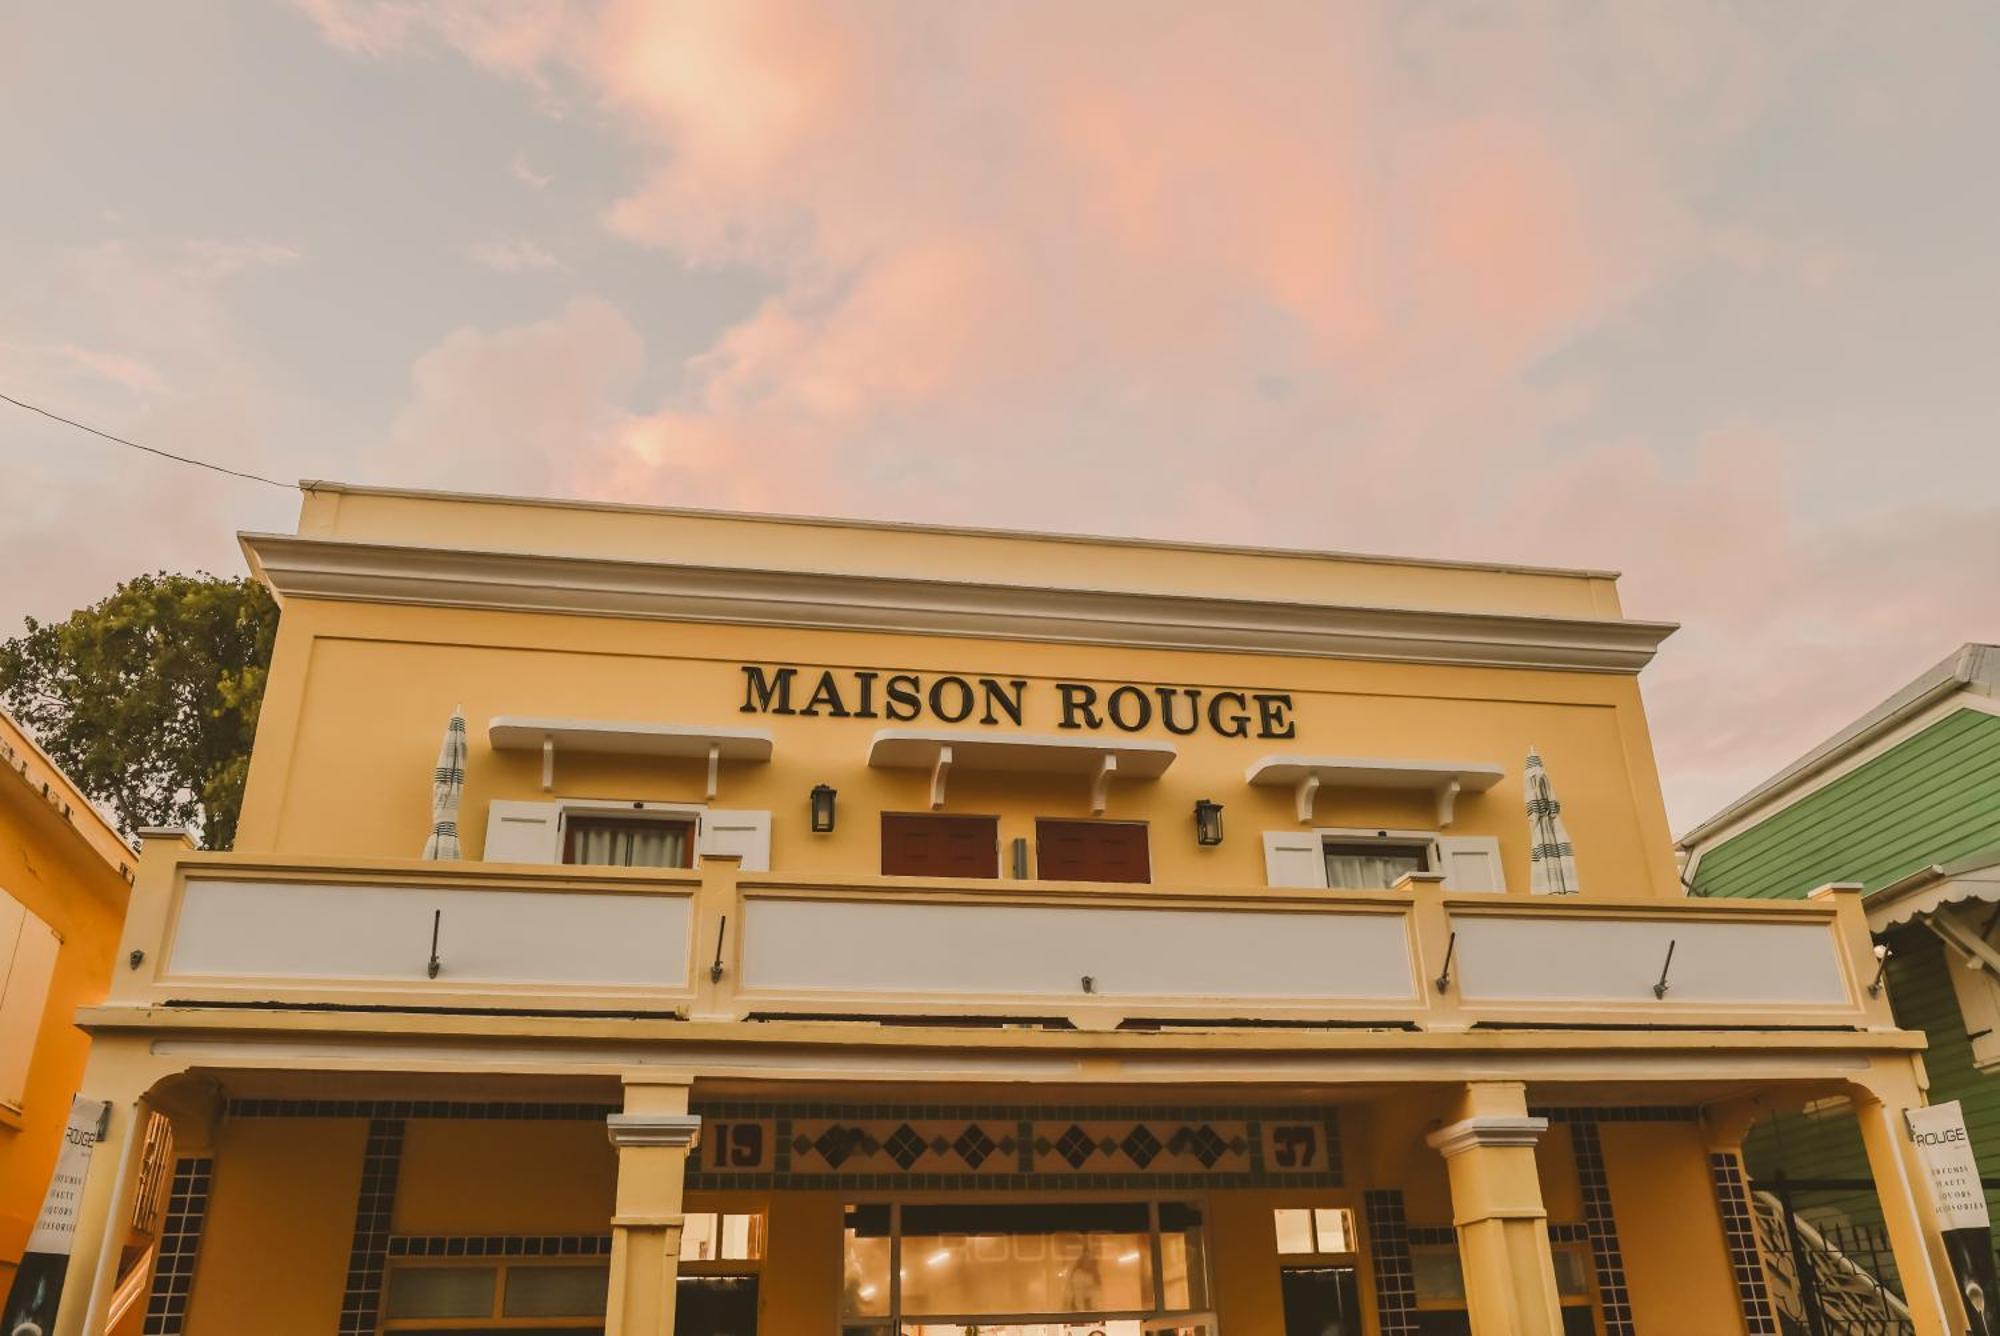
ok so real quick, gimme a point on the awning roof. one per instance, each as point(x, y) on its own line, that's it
point(1305, 775)
point(509, 732)
point(1975, 878)
point(942, 750)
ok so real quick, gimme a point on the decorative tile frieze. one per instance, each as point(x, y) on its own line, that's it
point(943, 1146)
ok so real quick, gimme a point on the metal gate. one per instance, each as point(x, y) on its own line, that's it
point(1834, 1278)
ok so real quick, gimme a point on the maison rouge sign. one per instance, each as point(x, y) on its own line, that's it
point(950, 699)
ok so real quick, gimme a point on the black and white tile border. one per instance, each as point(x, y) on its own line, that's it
point(361, 1298)
point(1389, 1259)
point(1739, 1233)
point(180, 1240)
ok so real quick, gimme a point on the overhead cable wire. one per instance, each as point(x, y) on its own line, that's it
point(164, 454)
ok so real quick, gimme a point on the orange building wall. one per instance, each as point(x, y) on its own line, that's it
point(1669, 1230)
point(280, 1225)
point(480, 1176)
point(49, 864)
point(799, 1294)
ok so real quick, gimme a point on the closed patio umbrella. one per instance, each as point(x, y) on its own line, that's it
point(1551, 859)
point(447, 784)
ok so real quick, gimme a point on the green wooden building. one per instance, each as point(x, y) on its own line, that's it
point(1906, 802)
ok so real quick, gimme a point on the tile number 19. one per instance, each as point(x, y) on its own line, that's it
point(736, 1145)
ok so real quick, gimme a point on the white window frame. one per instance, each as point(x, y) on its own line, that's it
point(1375, 835)
point(30, 948)
point(700, 815)
point(1438, 852)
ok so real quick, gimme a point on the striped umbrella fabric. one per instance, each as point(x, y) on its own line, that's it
point(447, 785)
point(1551, 859)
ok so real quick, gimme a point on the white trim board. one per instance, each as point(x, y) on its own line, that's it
point(664, 591)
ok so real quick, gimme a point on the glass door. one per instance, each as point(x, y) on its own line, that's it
point(1075, 1268)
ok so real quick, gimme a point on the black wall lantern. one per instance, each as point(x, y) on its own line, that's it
point(1207, 823)
point(822, 809)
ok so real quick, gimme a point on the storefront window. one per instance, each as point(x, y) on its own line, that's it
point(1040, 1269)
point(710, 1237)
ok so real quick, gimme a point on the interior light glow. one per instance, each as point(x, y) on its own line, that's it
point(938, 1258)
point(868, 1291)
point(1130, 1257)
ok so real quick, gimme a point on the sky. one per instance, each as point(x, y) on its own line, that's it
point(1704, 293)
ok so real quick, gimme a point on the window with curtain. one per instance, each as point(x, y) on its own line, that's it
point(625, 842)
point(1372, 865)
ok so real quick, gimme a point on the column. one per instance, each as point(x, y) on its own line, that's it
point(1907, 1213)
point(653, 1136)
point(1496, 1205)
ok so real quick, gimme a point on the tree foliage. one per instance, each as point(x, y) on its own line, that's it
point(149, 698)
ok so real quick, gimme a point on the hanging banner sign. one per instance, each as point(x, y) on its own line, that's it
point(1960, 1202)
point(31, 1301)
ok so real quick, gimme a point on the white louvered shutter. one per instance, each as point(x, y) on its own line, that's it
point(747, 834)
point(1293, 858)
point(1471, 863)
point(523, 832)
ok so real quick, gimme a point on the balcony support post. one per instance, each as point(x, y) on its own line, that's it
point(1496, 1205)
point(123, 1073)
point(1903, 1191)
point(653, 1135)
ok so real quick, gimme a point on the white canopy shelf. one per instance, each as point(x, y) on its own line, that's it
point(1305, 775)
point(939, 750)
point(510, 732)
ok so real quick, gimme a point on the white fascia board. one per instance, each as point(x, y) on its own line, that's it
point(318, 568)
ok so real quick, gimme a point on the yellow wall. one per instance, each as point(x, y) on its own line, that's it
point(1669, 1229)
point(58, 867)
point(280, 1224)
point(645, 533)
point(342, 765)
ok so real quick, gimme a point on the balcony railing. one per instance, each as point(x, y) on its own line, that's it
point(720, 945)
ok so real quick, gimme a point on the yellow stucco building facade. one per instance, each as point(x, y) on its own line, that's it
point(873, 929)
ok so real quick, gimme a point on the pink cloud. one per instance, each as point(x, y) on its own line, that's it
point(1291, 273)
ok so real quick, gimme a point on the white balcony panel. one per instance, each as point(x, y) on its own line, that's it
point(1560, 958)
point(295, 930)
point(957, 950)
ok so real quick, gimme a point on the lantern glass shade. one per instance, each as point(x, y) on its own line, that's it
point(1207, 823)
point(822, 809)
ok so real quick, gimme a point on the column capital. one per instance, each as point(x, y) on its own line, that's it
point(676, 1131)
point(1490, 1129)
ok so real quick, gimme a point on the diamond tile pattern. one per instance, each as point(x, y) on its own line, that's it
point(905, 1147)
point(940, 1147)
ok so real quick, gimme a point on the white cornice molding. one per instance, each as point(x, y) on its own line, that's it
point(1493, 1129)
point(665, 591)
point(676, 1131)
